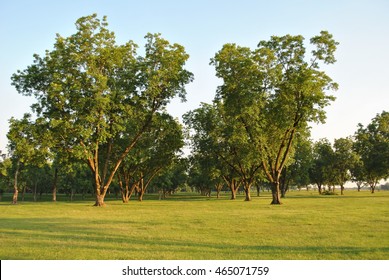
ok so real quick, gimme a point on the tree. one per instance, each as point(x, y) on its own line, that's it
point(319, 172)
point(372, 146)
point(171, 178)
point(358, 174)
point(94, 93)
point(158, 149)
point(5, 168)
point(274, 92)
point(344, 161)
point(29, 144)
point(220, 137)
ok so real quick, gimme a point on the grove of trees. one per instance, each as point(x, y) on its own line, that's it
point(100, 123)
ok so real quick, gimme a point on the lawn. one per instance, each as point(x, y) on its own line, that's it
point(306, 226)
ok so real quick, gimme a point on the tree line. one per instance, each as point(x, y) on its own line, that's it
point(100, 120)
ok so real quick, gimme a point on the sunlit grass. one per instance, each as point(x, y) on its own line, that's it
point(306, 226)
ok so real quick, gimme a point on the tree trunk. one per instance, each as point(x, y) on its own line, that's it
point(141, 194)
point(233, 193)
point(283, 192)
point(15, 196)
point(276, 199)
point(35, 191)
point(319, 188)
point(55, 184)
point(16, 191)
point(247, 193)
point(258, 190)
point(72, 193)
point(341, 190)
point(99, 200)
point(372, 189)
point(100, 195)
point(24, 192)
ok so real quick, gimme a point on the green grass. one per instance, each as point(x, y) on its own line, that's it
point(306, 226)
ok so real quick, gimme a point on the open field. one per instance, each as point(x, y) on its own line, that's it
point(306, 226)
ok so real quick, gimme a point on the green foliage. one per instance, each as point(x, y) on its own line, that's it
point(328, 192)
point(372, 146)
point(95, 94)
point(273, 92)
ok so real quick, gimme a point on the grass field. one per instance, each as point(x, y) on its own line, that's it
point(306, 226)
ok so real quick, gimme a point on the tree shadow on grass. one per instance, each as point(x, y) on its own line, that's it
point(49, 238)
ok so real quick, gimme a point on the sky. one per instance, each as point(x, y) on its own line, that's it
point(202, 27)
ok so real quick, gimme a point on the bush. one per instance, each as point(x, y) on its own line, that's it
point(327, 192)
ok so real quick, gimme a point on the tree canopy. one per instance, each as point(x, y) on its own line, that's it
point(93, 93)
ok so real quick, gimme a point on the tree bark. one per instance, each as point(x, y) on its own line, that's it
point(55, 184)
point(233, 193)
point(15, 196)
point(100, 195)
point(319, 188)
point(99, 200)
point(276, 194)
point(219, 187)
point(16, 191)
point(247, 193)
point(141, 194)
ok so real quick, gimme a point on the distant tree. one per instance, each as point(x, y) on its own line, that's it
point(29, 144)
point(159, 148)
point(172, 178)
point(372, 146)
point(344, 159)
point(94, 93)
point(5, 180)
point(220, 140)
point(298, 171)
point(358, 173)
point(320, 170)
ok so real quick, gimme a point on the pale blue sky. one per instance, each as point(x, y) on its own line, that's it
point(361, 27)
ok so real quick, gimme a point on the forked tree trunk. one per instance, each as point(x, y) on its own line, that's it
point(247, 193)
point(99, 200)
point(100, 196)
point(276, 193)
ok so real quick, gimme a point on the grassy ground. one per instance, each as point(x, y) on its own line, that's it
point(306, 226)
